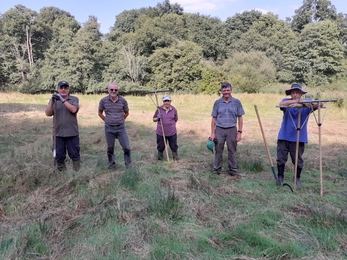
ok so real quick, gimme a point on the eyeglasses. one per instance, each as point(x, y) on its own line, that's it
point(113, 90)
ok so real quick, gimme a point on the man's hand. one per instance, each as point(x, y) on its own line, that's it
point(58, 97)
point(298, 105)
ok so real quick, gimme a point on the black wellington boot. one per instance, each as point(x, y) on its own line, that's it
point(160, 156)
point(298, 175)
point(280, 174)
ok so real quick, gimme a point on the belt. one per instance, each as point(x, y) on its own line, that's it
point(225, 127)
point(114, 124)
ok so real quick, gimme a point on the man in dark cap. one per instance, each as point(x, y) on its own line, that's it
point(287, 137)
point(67, 135)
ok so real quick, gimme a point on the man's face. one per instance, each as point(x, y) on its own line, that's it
point(64, 91)
point(113, 90)
point(296, 94)
point(226, 92)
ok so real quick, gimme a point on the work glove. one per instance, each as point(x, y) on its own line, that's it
point(160, 116)
point(58, 97)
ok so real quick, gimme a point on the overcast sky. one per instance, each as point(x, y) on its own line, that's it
point(107, 10)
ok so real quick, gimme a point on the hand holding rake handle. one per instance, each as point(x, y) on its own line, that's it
point(266, 146)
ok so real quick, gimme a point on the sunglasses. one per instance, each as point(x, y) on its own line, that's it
point(113, 90)
point(167, 100)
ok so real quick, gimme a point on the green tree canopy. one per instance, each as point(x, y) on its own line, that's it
point(176, 67)
point(249, 72)
point(313, 11)
point(319, 54)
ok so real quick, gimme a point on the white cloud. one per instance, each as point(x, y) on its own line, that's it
point(263, 11)
point(202, 5)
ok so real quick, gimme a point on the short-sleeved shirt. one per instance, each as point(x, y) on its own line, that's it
point(66, 122)
point(226, 114)
point(169, 120)
point(288, 131)
point(114, 111)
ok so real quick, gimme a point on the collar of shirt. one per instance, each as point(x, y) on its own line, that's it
point(170, 108)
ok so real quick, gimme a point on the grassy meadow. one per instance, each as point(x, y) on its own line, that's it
point(169, 210)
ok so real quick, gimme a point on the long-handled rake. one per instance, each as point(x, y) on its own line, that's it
point(54, 134)
point(161, 121)
point(319, 122)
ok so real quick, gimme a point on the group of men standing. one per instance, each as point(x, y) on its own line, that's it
point(226, 127)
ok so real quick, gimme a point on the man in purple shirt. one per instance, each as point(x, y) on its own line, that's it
point(116, 110)
point(287, 136)
point(166, 116)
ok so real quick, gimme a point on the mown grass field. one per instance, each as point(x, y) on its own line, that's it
point(176, 210)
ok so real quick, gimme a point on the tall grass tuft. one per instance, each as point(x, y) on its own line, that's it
point(130, 177)
point(165, 206)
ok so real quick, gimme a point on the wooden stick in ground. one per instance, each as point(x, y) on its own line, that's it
point(297, 146)
point(266, 146)
point(54, 133)
point(162, 129)
point(320, 152)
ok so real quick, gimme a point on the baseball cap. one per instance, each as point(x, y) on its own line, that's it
point(63, 83)
point(166, 98)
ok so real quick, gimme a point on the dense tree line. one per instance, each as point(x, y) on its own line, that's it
point(162, 47)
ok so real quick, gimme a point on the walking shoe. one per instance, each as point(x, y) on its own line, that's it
point(112, 166)
point(216, 171)
point(279, 180)
point(233, 173)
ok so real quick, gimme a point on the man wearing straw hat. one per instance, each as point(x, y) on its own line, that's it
point(293, 131)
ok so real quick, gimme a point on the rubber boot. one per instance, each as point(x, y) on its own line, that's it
point(175, 156)
point(61, 166)
point(160, 156)
point(298, 175)
point(76, 165)
point(280, 174)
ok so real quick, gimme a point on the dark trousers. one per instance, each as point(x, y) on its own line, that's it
point(172, 143)
point(284, 148)
point(117, 132)
point(71, 144)
point(228, 136)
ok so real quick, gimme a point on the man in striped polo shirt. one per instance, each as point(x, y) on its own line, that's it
point(226, 127)
point(113, 110)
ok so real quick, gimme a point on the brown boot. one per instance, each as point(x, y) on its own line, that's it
point(61, 166)
point(76, 165)
point(175, 156)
